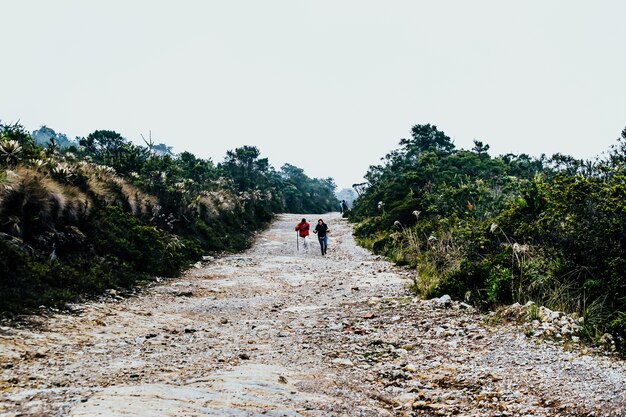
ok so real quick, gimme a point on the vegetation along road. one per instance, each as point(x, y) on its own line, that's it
point(274, 332)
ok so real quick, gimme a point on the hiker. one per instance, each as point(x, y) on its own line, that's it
point(320, 230)
point(303, 232)
point(344, 207)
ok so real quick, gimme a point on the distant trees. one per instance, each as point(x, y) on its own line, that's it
point(347, 194)
point(305, 195)
point(45, 135)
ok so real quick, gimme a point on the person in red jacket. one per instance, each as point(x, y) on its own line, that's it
point(303, 232)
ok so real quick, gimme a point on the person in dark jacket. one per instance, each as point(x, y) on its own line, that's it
point(344, 207)
point(321, 229)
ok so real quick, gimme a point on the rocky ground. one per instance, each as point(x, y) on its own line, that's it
point(274, 332)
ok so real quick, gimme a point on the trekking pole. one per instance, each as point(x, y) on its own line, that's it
point(297, 242)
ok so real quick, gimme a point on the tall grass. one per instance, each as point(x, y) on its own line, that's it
point(433, 257)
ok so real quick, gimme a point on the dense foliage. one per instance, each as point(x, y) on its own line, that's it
point(496, 230)
point(78, 217)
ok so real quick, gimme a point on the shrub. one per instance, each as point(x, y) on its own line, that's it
point(617, 328)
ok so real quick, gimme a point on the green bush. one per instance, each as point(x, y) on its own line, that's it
point(119, 236)
point(499, 287)
point(516, 228)
point(617, 328)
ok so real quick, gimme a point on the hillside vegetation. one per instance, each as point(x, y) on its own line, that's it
point(496, 230)
point(77, 218)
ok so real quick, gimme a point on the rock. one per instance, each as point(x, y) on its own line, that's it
point(343, 361)
point(420, 404)
point(406, 400)
point(223, 320)
point(184, 294)
point(410, 368)
point(465, 306)
point(397, 374)
point(444, 300)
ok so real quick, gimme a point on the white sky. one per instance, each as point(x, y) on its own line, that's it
point(329, 86)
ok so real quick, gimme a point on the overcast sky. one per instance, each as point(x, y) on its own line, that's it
point(329, 86)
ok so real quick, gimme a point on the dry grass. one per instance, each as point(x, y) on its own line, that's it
point(104, 183)
point(27, 194)
point(434, 257)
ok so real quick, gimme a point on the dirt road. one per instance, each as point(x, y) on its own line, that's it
point(275, 332)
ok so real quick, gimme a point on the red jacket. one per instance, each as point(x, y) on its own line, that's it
point(303, 228)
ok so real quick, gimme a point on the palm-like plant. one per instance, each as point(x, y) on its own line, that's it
point(10, 150)
point(39, 164)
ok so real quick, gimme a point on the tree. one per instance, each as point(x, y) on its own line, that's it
point(44, 135)
point(245, 168)
point(103, 145)
point(304, 194)
point(480, 148)
point(162, 149)
point(427, 138)
point(617, 153)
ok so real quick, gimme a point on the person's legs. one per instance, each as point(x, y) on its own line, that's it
point(325, 245)
point(306, 244)
point(321, 240)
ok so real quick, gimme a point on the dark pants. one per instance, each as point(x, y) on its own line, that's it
point(323, 243)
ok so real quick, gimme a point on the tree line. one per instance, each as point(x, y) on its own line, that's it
point(511, 228)
point(81, 216)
